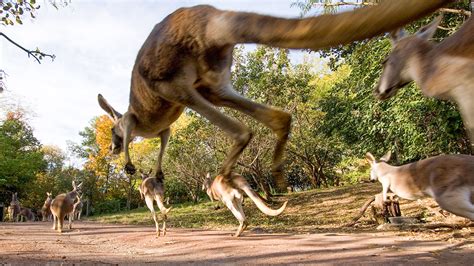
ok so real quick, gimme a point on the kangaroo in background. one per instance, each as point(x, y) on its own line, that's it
point(448, 179)
point(152, 189)
point(27, 214)
point(77, 209)
point(444, 70)
point(14, 209)
point(186, 62)
point(46, 209)
point(62, 205)
point(230, 192)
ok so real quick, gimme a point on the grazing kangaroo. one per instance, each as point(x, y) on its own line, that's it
point(444, 70)
point(46, 209)
point(449, 179)
point(230, 192)
point(77, 209)
point(62, 205)
point(152, 189)
point(186, 62)
point(27, 214)
point(14, 209)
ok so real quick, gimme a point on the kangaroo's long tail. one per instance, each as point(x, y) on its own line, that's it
point(243, 185)
point(229, 28)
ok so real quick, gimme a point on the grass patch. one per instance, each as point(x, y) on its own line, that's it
point(319, 210)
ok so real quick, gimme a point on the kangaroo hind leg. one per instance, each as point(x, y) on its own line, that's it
point(458, 201)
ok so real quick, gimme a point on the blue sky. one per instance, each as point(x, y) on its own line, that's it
point(95, 43)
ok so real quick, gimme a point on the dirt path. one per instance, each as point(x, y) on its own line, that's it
point(88, 242)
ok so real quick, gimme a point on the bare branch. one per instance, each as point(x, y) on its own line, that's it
point(456, 11)
point(34, 54)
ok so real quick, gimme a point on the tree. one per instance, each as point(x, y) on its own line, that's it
point(20, 155)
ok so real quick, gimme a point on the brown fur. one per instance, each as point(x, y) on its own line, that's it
point(186, 61)
point(231, 193)
point(444, 70)
point(46, 209)
point(62, 205)
point(152, 189)
point(449, 179)
point(27, 214)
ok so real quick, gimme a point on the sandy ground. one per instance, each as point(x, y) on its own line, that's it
point(91, 243)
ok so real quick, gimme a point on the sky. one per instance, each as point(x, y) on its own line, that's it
point(95, 44)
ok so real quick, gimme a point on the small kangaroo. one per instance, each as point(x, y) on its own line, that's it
point(62, 205)
point(449, 179)
point(46, 209)
point(27, 214)
point(14, 209)
point(231, 194)
point(77, 209)
point(152, 189)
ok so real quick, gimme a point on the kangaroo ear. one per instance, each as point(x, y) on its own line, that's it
point(370, 158)
point(386, 157)
point(208, 176)
point(429, 30)
point(396, 35)
point(108, 108)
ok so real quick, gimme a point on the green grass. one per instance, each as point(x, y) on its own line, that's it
point(310, 211)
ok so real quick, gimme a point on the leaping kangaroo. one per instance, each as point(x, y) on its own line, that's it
point(186, 62)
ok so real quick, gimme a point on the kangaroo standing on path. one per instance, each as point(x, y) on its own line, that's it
point(62, 205)
point(77, 209)
point(152, 189)
point(231, 194)
point(14, 208)
point(46, 209)
point(186, 62)
point(449, 179)
point(444, 70)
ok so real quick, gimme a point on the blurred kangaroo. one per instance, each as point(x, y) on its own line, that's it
point(27, 214)
point(231, 194)
point(77, 209)
point(449, 179)
point(152, 189)
point(14, 209)
point(62, 205)
point(444, 70)
point(186, 62)
point(206, 186)
point(46, 209)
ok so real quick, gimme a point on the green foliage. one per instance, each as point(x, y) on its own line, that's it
point(15, 11)
point(20, 156)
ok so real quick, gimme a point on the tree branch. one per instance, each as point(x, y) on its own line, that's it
point(34, 54)
point(456, 11)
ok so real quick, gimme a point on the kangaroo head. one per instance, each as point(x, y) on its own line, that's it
point(374, 164)
point(77, 188)
point(396, 73)
point(145, 175)
point(117, 130)
point(207, 182)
